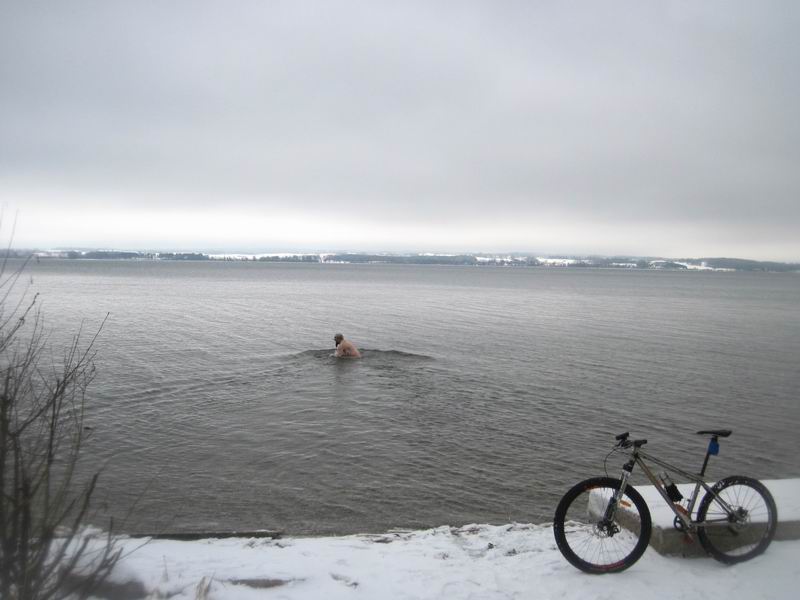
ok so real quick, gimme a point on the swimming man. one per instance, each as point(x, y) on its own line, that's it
point(345, 349)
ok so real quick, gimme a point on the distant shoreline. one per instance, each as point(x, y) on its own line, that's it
point(478, 260)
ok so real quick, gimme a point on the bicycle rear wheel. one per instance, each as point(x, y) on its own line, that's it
point(744, 533)
point(592, 543)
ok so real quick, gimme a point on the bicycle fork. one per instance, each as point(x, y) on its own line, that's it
point(611, 509)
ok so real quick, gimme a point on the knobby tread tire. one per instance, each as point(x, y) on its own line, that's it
point(632, 495)
point(712, 545)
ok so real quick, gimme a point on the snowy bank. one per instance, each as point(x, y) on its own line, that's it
point(476, 562)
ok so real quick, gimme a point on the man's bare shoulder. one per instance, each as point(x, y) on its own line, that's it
point(347, 349)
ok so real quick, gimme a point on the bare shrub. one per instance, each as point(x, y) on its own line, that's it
point(46, 549)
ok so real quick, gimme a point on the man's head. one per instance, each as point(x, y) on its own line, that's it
point(338, 338)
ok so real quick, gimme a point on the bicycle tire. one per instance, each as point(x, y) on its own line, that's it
point(740, 541)
point(586, 541)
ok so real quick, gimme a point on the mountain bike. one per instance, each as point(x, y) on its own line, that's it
point(603, 525)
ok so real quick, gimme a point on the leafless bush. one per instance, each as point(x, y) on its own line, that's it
point(46, 549)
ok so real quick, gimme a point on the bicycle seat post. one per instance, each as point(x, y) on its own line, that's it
point(713, 448)
point(713, 444)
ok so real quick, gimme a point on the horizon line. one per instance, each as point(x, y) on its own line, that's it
point(525, 253)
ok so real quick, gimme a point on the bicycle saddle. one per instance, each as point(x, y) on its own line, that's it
point(717, 432)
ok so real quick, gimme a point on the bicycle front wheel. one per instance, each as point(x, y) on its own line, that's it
point(747, 529)
point(590, 541)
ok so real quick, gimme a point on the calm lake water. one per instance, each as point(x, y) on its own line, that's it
point(483, 393)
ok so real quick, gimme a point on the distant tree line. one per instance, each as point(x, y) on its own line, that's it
point(10, 253)
point(294, 258)
point(738, 264)
point(741, 264)
point(182, 256)
point(106, 254)
point(461, 259)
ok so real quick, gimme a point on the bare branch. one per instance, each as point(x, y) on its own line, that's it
point(45, 548)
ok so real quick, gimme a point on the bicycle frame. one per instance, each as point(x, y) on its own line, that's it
point(639, 456)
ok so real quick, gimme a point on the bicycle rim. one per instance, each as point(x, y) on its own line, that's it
point(591, 543)
point(730, 539)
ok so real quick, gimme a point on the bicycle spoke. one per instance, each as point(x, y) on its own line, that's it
point(595, 544)
point(745, 530)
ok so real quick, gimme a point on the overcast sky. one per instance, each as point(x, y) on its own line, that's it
point(657, 128)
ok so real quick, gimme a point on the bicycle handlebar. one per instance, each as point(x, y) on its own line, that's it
point(624, 442)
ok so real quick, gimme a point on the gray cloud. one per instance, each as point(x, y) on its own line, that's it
point(670, 115)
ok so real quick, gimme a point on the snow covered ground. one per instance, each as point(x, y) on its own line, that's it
point(473, 562)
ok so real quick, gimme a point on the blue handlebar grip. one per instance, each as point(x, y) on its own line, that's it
point(713, 447)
